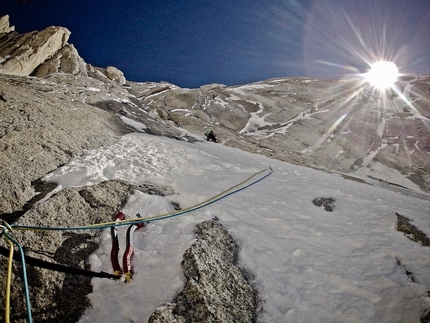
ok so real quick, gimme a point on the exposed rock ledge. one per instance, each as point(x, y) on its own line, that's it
point(216, 289)
point(57, 296)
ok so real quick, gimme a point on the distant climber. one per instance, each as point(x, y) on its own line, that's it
point(210, 136)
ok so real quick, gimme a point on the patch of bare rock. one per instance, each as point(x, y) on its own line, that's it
point(411, 231)
point(58, 296)
point(216, 289)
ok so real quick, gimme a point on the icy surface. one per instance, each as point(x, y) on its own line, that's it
point(309, 265)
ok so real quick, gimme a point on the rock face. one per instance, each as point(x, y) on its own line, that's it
point(57, 296)
point(216, 289)
point(45, 122)
point(21, 54)
point(4, 25)
point(37, 134)
point(65, 60)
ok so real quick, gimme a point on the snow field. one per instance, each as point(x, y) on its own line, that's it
point(307, 264)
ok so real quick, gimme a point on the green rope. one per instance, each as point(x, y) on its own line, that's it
point(222, 195)
point(24, 276)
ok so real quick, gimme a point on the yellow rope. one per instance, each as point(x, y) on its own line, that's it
point(8, 281)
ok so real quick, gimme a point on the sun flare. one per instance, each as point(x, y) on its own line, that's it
point(382, 75)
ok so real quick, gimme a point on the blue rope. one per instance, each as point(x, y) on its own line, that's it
point(24, 277)
point(24, 273)
point(210, 202)
point(134, 221)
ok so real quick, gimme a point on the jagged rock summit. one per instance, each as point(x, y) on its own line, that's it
point(40, 53)
point(5, 26)
point(22, 54)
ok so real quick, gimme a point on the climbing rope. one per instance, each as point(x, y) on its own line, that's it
point(8, 281)
point(232, 190)
point(5, 228)
point(134, 224)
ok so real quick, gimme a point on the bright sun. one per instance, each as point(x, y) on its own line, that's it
point(382, 75)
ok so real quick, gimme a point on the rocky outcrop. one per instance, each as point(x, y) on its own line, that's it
point(22, 54)
point(43, 53)
point(38, 53)
point(216, 289)
point(65, 60)
point(327, 203)
point(411, 231)
point(115, 75)
point(4, 25)
point(57, 296)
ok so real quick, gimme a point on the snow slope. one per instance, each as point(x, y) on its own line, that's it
point(309, 265)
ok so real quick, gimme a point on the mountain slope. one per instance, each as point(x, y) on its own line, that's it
point(81, 115)
point(342, 125)
point(307, 264)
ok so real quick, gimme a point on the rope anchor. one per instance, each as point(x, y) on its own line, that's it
point(129, 250)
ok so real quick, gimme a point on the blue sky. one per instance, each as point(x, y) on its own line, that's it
point(195, 42)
